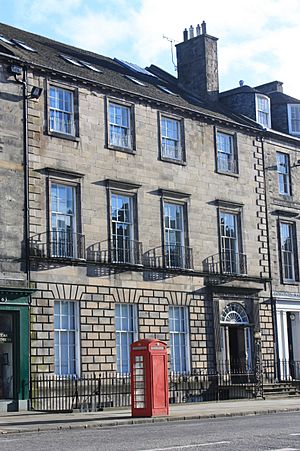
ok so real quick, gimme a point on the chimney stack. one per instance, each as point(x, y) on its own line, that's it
point(197, 63)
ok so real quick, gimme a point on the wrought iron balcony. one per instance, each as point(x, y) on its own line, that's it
point(57, 244)
point(119, 251)
point(226, 263)
point(169, 256)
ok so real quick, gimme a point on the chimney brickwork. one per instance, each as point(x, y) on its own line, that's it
point(197, 63)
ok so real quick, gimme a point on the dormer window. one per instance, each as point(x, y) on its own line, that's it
point(294, 119)
point(263, 114)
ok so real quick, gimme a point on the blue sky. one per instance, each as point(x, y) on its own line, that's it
point(258, 40)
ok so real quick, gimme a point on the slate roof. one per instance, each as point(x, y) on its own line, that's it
point(281, 98)
point(112, 74)
point(245, 89)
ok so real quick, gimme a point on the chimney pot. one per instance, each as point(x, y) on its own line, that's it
point(185, 35)
point(197, 63)
point(198, 30)
point(203, 25)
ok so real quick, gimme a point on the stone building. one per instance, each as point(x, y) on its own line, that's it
point(279, 116)
point(147, 209)
point(14, 281)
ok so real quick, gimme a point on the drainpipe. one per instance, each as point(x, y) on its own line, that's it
point(26, 173)
point(272, 299)
point(23, 82)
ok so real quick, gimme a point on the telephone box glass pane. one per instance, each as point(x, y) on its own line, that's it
point(139, 382)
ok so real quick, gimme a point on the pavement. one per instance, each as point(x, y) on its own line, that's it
point(29, 421)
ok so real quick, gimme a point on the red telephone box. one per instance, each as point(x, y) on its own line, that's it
point(149, 378)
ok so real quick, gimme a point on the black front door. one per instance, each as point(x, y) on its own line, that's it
point(237, 349)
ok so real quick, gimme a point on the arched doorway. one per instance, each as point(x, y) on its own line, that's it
point(236, 339)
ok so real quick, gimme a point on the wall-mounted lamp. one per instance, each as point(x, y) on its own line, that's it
point(35, 92)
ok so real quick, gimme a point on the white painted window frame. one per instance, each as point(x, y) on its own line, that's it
point(292, 253)
point(286, 174)
point(185, 364)
point(134, 333)
point(76, 332)
point(69, 113)
point(74, 188)
point(268, 112)
point(232, 166)
point(178, 141)
point(168, 230)
point(289, 111)
point(129, 146)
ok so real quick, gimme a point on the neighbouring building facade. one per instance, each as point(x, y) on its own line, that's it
point(149, 201)
point(279, 113)
point(14, 282)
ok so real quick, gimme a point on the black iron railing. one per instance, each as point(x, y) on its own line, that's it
point(169, 256)
point(116, 251)
point(281, 371)
point(226, 263)
point(109, 389)
point(91, 393)
point(88, 393)
point(211, 385)
point(57, 244)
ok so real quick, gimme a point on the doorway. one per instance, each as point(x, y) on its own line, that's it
point(7, 354)
point(288, 327)
point(236, 340)
point(237, 349)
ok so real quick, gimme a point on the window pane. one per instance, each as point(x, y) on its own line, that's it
point(288, 251)
point(231, 257)
point(122, 228)
point(283, 169)
point(170, 139)
point(65, 337)
point(226, 158)
point(63, 221)
point(174, 236)
point(263, 110)
point(178, 338)
point(61, 111)
point(294, 116)
point(125, 317)
point(119, 125)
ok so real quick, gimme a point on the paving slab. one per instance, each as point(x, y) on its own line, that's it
point(14, 422)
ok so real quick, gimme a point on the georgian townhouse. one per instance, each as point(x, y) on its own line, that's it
point(14, 281)
point(147, 215)
point(278, 114)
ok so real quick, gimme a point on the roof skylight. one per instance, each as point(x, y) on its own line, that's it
point(80, 63)
point(134, 67)
point(90, 66)
point(71, 60)
point(135, 80)
point(168, 91)
point(24, 45)
point(6, 40)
